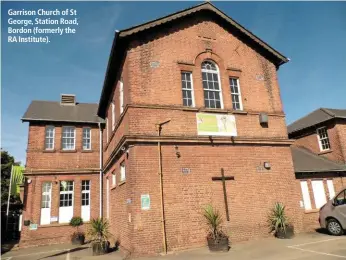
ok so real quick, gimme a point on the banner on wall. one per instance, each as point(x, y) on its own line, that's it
point(216, 124)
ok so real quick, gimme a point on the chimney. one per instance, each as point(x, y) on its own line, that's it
point(68, 99)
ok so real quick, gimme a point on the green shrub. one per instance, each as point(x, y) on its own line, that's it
point(277, 218)
point(99, 230)
point(214, 221)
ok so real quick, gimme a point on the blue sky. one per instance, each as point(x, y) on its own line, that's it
point(311, 34)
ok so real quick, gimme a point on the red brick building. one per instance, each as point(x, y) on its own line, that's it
point(184, 96)
point(62, 169)
point(319, 157)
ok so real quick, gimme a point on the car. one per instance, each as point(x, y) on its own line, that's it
point(332, 215)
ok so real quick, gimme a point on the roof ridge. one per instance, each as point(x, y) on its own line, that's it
point(327, 111)
point(305, 150)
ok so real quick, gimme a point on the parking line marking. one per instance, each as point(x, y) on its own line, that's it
point(38, 253)
point(320, 241)
point(320, 253)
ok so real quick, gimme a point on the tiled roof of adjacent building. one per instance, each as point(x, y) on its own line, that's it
point(318, 116)
point(306, 161)
point(40, 110)
point(121, 39)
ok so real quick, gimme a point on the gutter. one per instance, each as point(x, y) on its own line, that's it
point(101, 173)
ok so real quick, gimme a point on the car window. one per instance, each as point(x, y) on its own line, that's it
point(341, 198)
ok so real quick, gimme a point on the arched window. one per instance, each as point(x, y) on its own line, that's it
point(211, 85)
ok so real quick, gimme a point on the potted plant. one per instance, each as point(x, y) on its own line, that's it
point(278, 222)
point(217, 240)
point(99, 233)
point(77, 237)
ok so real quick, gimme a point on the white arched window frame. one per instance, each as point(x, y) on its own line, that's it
point(211, 85)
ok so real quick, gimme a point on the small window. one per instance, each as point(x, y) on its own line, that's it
point(50, 133)
point(114, 179)
point(68, 137)
point(122, 171)
point(86, 138)
point(323, 138)
point(235, 93)
point(121, 96)
point(341, 198)
point(211, 85)
point(113, 116)
point(86, 193)
point(187, 88)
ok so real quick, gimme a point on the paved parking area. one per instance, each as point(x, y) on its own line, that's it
point(311, 246)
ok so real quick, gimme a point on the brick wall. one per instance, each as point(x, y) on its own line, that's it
point(55, 232)
point(309, 140)
point(341, 130)
point(40, 159)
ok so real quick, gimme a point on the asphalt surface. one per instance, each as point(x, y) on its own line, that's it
point(311, 246)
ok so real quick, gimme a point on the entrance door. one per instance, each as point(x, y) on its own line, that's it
point(66, 201)
point(46, 203)
point(86, 200)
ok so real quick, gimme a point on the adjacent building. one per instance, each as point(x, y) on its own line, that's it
point(62, 169)
point(184, 97)
point(319, 156)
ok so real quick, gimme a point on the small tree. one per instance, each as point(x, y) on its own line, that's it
point(277, 218)
point(214, 221)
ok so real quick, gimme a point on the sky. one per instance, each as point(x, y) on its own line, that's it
point(311, 34)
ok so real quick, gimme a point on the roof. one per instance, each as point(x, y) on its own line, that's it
point(318, 116)
point(120, 41)
point(53, 111)
point(306, 161)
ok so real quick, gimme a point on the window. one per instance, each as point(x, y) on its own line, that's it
point(113, 116)
point(187, 88)
point(319, 193)
point(46, 203)
point(306, 195)
point(323, 139)
point(121, 96)
point(85, 193)
point(341, 198)
point(235, 93)
point(114, 179)
point(211, 85)
point(86, 138)
point(122, 171)
point(68, 138)
point(66, 193)
point(49, 142)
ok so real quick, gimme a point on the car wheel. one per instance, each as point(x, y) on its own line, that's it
point(334, 227)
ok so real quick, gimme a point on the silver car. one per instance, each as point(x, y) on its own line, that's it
point(333, 214)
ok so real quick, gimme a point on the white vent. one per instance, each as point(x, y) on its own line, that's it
point(68, 99)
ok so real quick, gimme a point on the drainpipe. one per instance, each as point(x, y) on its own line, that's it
point(163, 221)
point(101, 174)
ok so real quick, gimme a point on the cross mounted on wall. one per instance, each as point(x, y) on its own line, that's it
point(224, 178)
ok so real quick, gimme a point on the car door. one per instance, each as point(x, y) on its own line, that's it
point(340, 208)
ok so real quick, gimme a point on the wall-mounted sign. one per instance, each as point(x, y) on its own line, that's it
point(145, 201)
point(216, 124)
point(33, 227)
point(128, 201)
point(185, 170)
point(53, 219)
point(154, 64)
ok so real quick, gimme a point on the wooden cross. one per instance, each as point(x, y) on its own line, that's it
point(224, 178)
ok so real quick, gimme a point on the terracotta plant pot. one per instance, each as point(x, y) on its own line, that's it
point(100, 248)
point(285, 235)
point(218, 245)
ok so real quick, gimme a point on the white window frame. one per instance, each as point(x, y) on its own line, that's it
point(236, 94)
point(62, 209)
point(113, 116)
point(86, 138)
point(306, 195)
point(114, 179)
point(219, 80)
point(321, 139)
point(320, 199)
point(49, 127)
point(85, 209)
point(187, 89)
point(74, 138)
point(46, 210)
point(331, 189)
point(121, 96)
point(122, 171)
